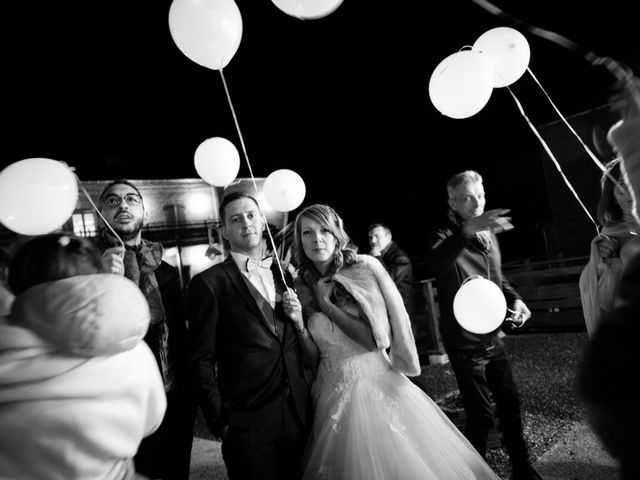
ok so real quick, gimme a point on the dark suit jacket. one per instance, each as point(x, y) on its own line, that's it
point(169, 284)
point(398, 264)
point(172, 301)
point(242, 370)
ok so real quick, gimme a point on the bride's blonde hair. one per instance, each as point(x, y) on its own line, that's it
point(344, 253)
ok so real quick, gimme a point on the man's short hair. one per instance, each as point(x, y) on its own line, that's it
point(468, 176)
point(119, 181)
point(381, 225)
point(232, 197)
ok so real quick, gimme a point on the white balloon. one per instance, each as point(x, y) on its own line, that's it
point(307, 9)
point(461, 85)
point(37, 195)
point(217, 161)
point(509, 52)
point(479, 305)
point(284, 190)
point(206, 31)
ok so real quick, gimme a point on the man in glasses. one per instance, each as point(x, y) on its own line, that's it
point(166, 453)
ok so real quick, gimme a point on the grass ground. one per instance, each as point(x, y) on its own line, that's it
point(544, 365)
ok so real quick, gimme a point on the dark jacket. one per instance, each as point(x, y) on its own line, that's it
point(398, 264)
point(451, 258)
point(172, 301)
point(242, 370)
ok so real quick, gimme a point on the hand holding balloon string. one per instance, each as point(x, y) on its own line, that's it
point(519, 314)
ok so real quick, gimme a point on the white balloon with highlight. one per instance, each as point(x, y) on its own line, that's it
point(206, 31)
point(217, 161)
point(284, 190)
point(461, 85)
point(508, 51)
point(307, 9)
point(479, 305)
point(37, 195)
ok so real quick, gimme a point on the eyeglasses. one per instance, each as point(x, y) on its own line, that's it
point(113, 201)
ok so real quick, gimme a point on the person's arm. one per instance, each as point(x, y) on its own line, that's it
point(443, 248)
point(626, 135)
point(293, 310)
point(445, 245)
point(174, 305)
point(203, 316)
point(356, 328)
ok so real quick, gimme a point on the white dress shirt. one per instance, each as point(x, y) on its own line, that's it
point(261, 278)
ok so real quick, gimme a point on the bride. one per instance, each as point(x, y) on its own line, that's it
point(371, 422)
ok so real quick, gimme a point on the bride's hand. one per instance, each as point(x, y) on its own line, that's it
point(323, 289)
point(293, 308)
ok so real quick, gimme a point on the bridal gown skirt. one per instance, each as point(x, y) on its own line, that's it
point(373, 423)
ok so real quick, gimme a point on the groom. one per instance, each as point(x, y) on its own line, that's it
point(245, 355)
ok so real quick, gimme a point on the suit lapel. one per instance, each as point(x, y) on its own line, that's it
point(258, 304)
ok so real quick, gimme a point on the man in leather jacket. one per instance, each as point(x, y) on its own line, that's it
point(467, 246)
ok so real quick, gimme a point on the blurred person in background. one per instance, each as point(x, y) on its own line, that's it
point(617, 241)
point(79, 389)
point(608, 368)
point(395, 261)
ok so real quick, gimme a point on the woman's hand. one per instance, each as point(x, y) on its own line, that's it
point(607, 247)
point(323, 289)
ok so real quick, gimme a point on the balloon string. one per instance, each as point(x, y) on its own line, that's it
point(255, 185)
point(86, 194)
point(284, 229)
point(553, 158)
point(617, 69)
point(593, 157)
point(444, 67)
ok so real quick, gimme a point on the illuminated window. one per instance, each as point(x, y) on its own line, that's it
point(84, 224)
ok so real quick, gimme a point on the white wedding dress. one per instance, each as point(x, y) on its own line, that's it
point(373, 423)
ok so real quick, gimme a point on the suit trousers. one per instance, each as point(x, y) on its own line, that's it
point(270, 450)
point(166, 453)
point(484, 375)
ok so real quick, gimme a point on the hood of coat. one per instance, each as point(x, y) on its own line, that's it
point(85, 315)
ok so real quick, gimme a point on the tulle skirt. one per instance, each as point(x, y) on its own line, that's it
point(380, 426)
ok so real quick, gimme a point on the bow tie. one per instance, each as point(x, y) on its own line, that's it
point(253, 264)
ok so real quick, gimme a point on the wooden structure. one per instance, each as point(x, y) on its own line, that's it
point(425, 322)
point(549, 288)
point(569, 231)
point(551, 291)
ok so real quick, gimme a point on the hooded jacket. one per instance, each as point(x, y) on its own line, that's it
point(78, 388)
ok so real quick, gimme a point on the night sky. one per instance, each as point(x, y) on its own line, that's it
point(341, 100)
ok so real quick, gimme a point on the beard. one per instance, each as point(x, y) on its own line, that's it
point(129, 230)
